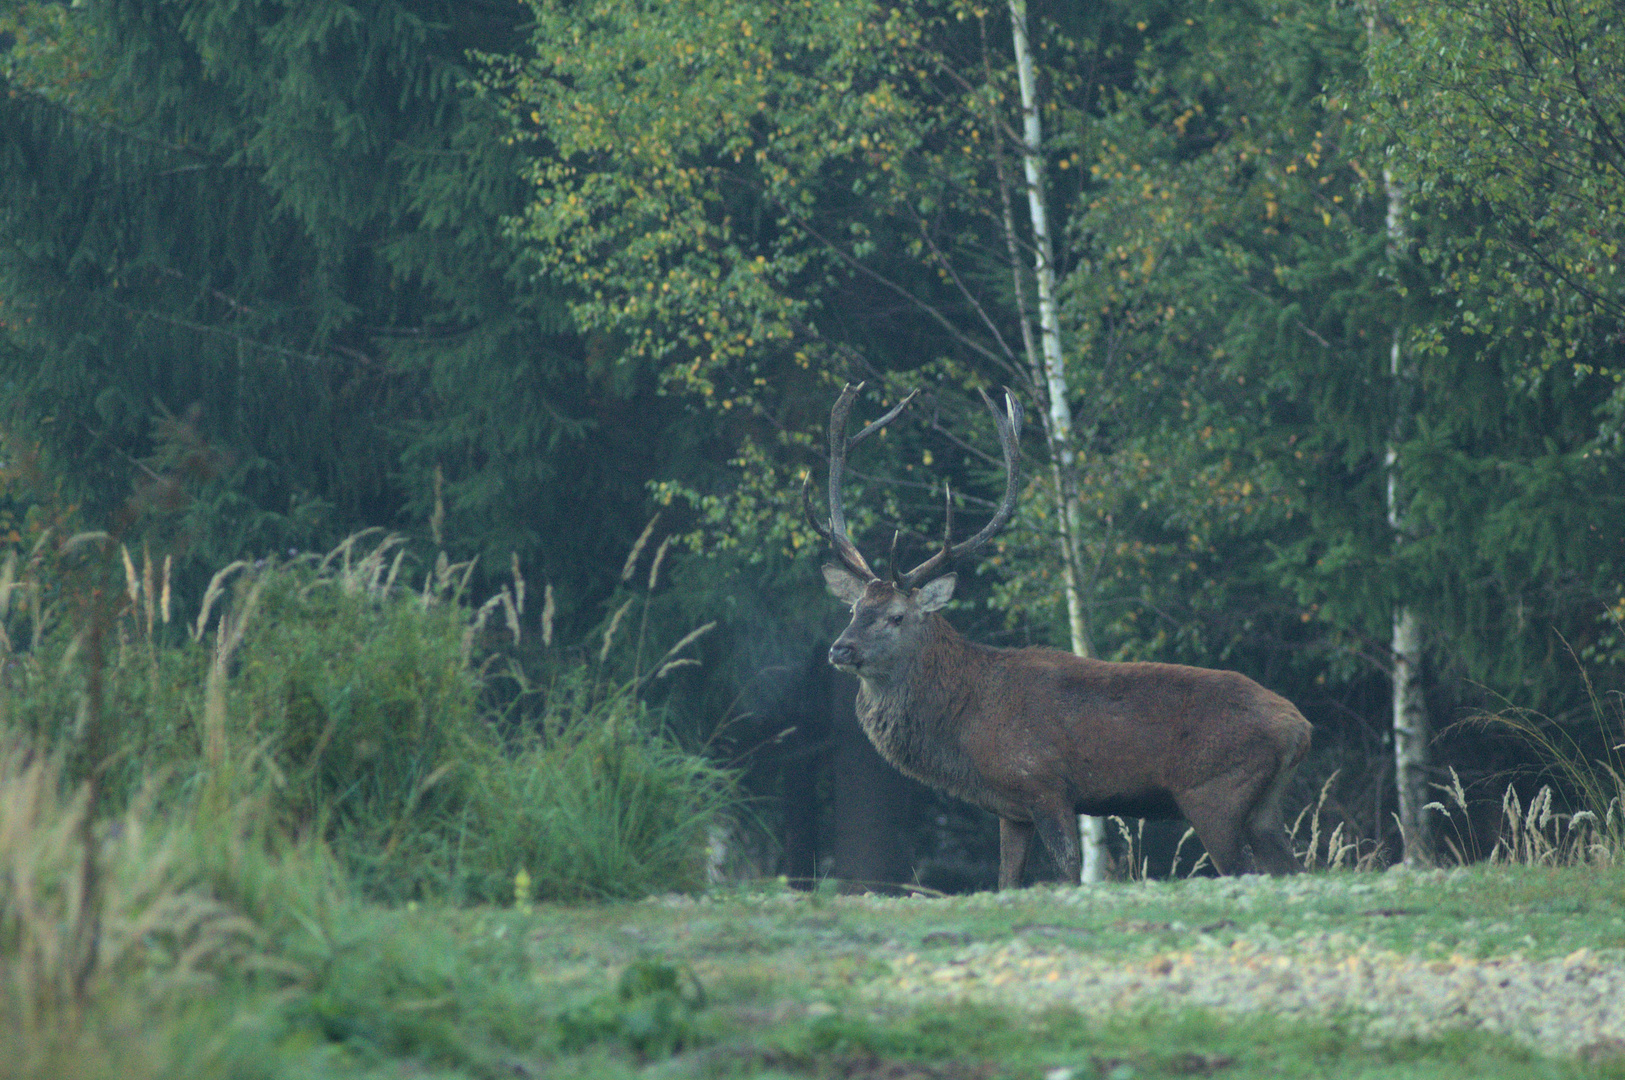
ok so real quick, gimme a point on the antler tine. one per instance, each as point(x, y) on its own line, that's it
point(884, 420)
point(844, 548)
point(1009, 426)
point(819, 527)
point(839, 444)
point(853, 558)
point(930, 567)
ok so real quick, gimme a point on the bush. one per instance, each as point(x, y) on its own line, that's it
point(366, 716)
point(318, 700)
point(601, 804)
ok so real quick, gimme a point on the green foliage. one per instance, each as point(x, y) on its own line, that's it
point(791, 196)
point(315, 267)
point(1231, 314)
point(749, 212)
point(602, 804)
point(1506, 116)
point(343, 709)
point(652, 1010)
point(282, 227)
point(1240, 307)
point(731, 204)
point(678, 204)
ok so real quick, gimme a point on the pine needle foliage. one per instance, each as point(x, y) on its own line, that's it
point(282, 223)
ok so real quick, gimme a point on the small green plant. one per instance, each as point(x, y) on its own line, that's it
point(652, 1011)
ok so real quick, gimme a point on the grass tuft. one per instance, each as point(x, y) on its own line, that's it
point(1579, 817)
point(601, 804)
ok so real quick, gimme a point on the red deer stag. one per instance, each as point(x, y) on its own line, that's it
point(1039, 736)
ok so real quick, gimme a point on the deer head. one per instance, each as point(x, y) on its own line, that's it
point(888, 617)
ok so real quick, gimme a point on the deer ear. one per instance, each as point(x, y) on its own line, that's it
point(847, 587)
point(935, 594)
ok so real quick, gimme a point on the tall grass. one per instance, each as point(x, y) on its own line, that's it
point(1579, 816)
point(596, 798)
point(602, 804)
point(184, 907)
point(320, 730)
point(1338, 848)
point(1540, 834)
point(327, 699)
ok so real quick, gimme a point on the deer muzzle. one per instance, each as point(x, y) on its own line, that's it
point(845, 656)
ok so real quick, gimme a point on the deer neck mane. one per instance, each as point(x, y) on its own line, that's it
point(914, 716)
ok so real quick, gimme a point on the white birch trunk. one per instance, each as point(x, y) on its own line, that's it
point(1411, 728)
point(1062, 456)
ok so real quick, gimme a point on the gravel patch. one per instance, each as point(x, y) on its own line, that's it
point(1563, 1006)
point(1558, 1006)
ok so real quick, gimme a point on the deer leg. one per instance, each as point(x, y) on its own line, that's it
point(1271, 852)
point(1059, 832)
point(1212, 811)
point(1015, 838)
point(1266, 831)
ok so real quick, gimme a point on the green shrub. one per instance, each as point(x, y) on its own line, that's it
point(367, 718)
point(603, 803)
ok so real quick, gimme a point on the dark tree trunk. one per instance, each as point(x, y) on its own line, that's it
point(873, 826)
point(804, 759)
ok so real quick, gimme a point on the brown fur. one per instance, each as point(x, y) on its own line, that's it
point(1039, 736)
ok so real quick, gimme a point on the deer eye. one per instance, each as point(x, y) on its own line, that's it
point(896, 620)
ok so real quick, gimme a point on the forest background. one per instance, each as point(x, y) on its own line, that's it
point(1336, 297)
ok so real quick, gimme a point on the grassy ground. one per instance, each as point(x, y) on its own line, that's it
point(987, 985)
point(1118, 981)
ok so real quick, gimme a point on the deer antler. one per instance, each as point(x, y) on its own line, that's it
point(839, 444)
point(1009, 426)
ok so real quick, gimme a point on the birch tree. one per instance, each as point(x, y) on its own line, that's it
point(1411, 731)
point(1049, 369)
point(1505, 113)
point(801, 167)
